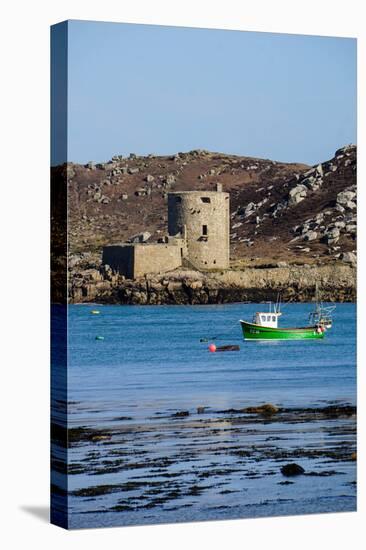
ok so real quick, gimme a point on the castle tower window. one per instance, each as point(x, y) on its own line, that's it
point(204, 230)
point(205, 199)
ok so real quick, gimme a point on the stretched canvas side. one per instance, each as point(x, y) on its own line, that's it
point(58, 177)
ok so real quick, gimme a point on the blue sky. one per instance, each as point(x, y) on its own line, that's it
point(152, 89)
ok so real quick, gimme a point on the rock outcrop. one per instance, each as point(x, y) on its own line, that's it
point(100, 284)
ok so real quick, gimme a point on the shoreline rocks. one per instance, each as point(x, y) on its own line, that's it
point(98, 284)
point(293, 469)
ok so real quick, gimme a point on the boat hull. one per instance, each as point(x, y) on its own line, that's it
point(257, 332)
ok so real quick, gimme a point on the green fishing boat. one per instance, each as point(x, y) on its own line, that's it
point(264, 326)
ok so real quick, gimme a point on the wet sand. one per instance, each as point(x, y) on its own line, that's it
point(195, 465)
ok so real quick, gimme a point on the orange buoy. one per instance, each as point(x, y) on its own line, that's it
point(212, 348)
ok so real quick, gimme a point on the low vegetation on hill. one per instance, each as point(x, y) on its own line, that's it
point(282, 214)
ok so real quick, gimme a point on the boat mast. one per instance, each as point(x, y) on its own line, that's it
point(317, 298)
point(278, 303)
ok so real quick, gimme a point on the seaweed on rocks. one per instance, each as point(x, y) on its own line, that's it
point(292, 469)
point(180, 414)
point(325, 473)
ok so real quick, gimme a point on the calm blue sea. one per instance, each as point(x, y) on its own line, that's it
point(151, 364)
point(151, 359)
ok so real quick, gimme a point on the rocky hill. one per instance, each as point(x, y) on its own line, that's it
point(310, 216)
point(281, 213)
point(278, 211)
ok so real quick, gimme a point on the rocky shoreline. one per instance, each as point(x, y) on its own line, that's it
point(257, 453)
point(90, 282)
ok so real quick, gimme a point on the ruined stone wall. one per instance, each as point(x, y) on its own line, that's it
point(121, 258)
point(135, 260)
point(156, 258)
point(205, 216)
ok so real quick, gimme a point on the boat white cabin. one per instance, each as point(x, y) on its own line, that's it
point(266, 319)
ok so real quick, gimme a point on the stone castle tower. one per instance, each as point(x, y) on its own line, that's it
point(198, 236)
point(202, 218)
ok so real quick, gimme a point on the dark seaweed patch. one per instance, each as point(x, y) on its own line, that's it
point(324, 473)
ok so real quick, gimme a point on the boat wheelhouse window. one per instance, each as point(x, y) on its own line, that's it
point(273, 318)
point(263, 318)
point(205, 199)
point(268, 317)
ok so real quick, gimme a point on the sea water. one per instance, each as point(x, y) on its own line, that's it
point(152, 364)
